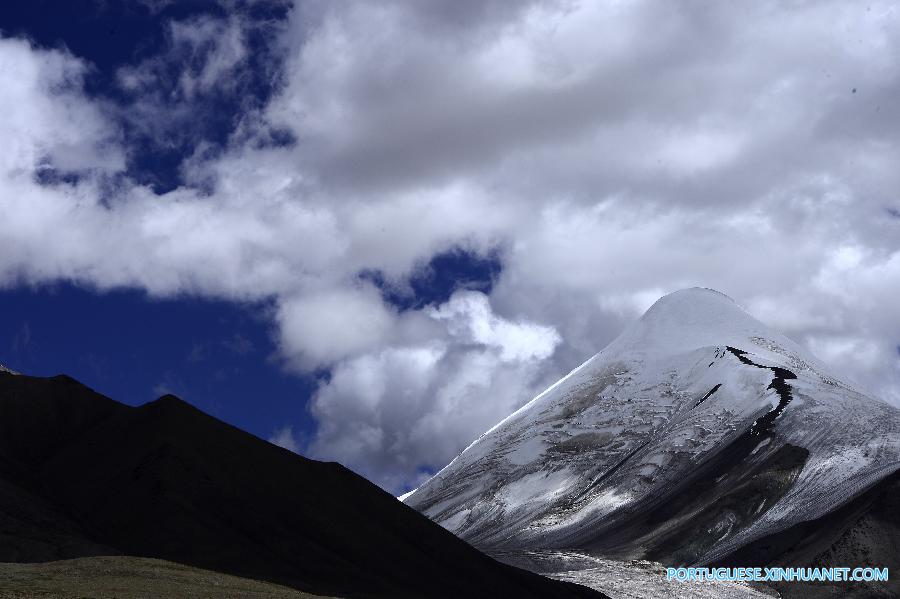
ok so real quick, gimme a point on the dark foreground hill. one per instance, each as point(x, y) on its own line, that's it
point(82, 475)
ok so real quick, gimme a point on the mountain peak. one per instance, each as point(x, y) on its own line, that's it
point(697, 304)
point(167, 399)
point(693, 318)
point(697, 431)
point(693, 294)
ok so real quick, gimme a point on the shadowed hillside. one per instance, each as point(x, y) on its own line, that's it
point(82, 475)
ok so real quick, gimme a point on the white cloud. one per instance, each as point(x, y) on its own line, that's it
point(321, 328)
point(393, 411)
point(45, 120)
point(284, 437)
point(468, 315)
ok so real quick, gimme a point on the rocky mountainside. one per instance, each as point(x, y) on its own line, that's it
point(82, 475)
point(698, 436)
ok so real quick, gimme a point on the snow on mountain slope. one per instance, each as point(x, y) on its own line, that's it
point(695, 432)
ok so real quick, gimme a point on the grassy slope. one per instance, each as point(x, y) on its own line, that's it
point(130, 578)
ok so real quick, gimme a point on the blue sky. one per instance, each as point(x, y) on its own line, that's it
point(370, 244)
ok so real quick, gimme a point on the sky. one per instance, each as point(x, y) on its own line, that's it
point(370, 231)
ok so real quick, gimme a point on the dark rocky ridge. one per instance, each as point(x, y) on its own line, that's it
point(863, 532)
point(82, 475)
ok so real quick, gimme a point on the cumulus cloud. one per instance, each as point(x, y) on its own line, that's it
point(393, 411)
point(469, 316)
point(321, 328)
point(284, 437)
point(608, 152)
point(46, 124)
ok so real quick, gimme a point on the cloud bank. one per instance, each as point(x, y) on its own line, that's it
point(607, 152)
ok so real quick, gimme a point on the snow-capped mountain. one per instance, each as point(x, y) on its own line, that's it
point(696, 432)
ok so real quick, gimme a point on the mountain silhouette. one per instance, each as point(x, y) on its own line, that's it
point(83, 475)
